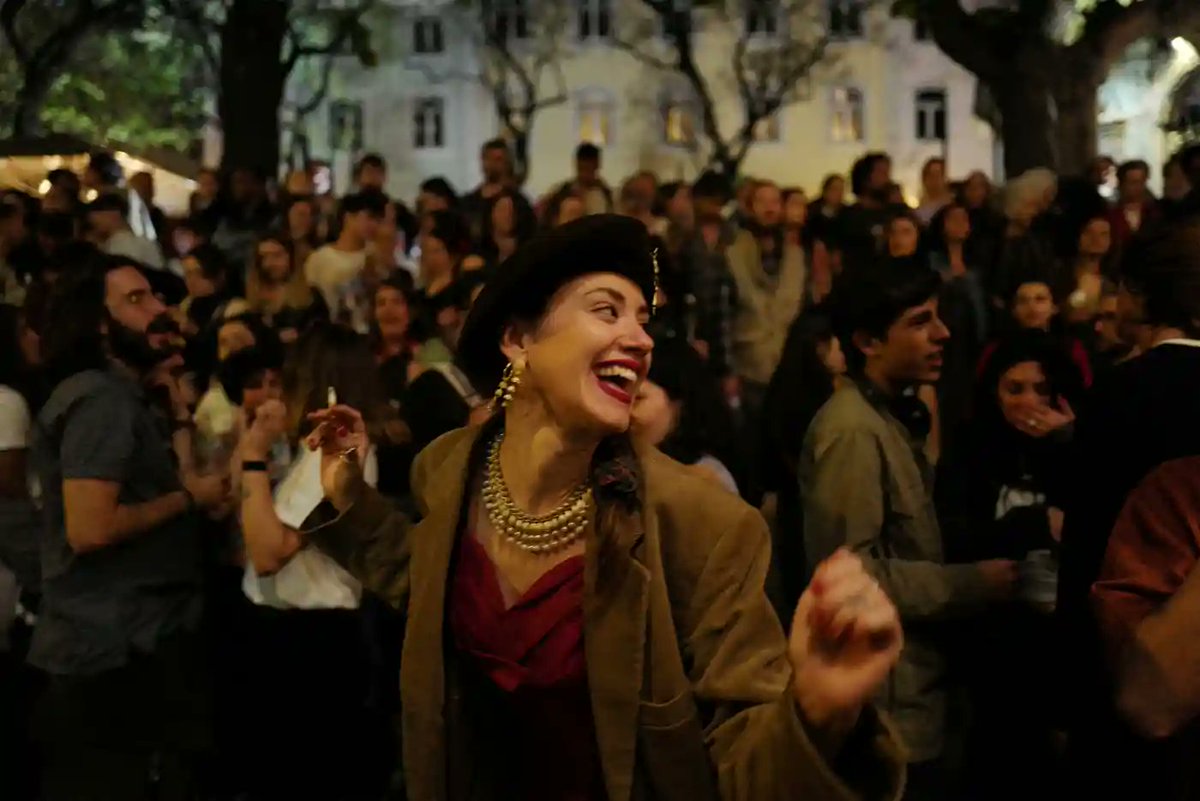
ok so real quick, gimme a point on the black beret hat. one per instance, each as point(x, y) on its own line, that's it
point(525, 282)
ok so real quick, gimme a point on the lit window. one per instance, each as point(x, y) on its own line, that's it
point(346, 126)
point(767, 129)
point(429, 123)
point(931, 115)
point(846, 114)
point(595, 19)
point(679, 123)
point(845, 18)
point(594, 115)
point(427, 35)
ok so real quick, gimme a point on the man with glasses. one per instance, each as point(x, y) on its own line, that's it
point(124, 714)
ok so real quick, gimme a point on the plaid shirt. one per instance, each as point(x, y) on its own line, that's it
point(715, 295)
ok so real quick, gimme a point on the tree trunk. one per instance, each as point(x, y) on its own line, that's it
point(1076, 127)
point(253, 76)
point(31, 99)
point(519, 136)
point(1026, 123)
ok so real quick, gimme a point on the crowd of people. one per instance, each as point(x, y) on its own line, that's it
point(210, 426)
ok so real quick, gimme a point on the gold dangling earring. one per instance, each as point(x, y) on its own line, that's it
point(509, 382)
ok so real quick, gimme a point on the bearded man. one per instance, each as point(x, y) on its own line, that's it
point(124, 714)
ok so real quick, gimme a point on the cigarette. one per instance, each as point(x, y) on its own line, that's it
point(331, 397)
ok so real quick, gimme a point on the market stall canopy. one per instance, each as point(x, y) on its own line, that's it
point(24, 164)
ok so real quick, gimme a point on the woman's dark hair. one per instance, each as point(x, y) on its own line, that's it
point(1047, 350)
point(934, 238)
point(860, 173)
point(451, 230)
point(878, 299)
point(828, 182)
point(1060, 285)
point(397, 283)
point(246, 368)
point(308, 200)
point(213, 264)
point(554, 206)
point(1108, 262)
point(524, 222)
point(666, 193)
point(202, 357)
point(73, 343)
point(705, 426)
point(799, 388)
point(441, 187)
point(334, 356)
point(929, 162)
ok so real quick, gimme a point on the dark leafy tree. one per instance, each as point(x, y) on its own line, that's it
point(1042, 63)
point(43, 36)
point(252, 46)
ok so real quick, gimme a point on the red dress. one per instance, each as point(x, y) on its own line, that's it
point(530, 657)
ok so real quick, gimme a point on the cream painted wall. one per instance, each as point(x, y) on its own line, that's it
point(887, 66)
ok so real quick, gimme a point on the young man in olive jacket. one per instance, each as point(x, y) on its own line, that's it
point(867, 485)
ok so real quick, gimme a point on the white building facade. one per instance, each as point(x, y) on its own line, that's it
point(882, 86)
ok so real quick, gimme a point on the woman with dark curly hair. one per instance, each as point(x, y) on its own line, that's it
point(508, 223)
point(1002, 499)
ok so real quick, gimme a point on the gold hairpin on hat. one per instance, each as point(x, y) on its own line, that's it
point(654, 297)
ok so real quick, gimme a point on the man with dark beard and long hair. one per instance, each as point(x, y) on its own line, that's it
point(124, 713)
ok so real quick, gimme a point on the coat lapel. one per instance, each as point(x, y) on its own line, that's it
point(422, 670)
point(614, 640)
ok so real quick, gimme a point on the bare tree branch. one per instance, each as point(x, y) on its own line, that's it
point(9, 11)
point(765, 72)
point(204, 28)
point(318, 95)
point(347, 21)
point(635, 50)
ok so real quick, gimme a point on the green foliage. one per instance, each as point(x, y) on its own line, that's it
point(144, 89)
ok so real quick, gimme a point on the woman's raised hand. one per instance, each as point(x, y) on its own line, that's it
point(845, 639)
point(341, 436)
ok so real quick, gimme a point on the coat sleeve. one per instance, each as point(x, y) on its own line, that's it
point(371, 542)
point(844, 507)
point(1151, 553)
point(740, 671)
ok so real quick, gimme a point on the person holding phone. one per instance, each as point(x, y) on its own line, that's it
point(586, 618)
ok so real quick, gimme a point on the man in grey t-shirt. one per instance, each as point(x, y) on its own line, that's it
point(123, 714)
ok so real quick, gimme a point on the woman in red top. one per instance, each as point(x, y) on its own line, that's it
point(586, 619)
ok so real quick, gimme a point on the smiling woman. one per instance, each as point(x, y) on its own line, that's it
point(563, 577)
